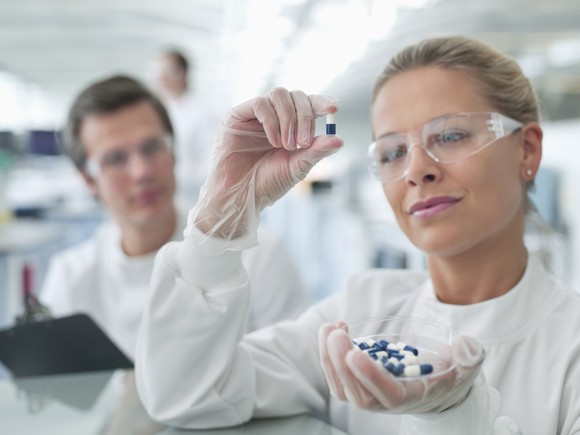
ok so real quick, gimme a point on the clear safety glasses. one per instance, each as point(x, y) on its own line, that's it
point(447, 139)
point(115, 162)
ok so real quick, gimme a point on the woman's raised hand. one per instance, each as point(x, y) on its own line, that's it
point(263, 148)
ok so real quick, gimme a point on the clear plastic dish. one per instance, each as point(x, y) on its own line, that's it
point(433, 340)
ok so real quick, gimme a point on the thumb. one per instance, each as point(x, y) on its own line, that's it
point(305, 159)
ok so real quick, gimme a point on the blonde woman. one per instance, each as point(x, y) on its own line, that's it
point(457, 144)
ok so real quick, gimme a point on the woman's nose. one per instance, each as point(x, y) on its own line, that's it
point(421, 167)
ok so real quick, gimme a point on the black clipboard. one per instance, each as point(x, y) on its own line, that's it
point(72, 344)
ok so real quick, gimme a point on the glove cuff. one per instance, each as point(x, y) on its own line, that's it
point(213, 246)
point(475, 415)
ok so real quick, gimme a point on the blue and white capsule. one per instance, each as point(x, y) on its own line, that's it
point(404, 346)
point(330, 124)
point(395, 369)
point(410, 360)
point(363, 346)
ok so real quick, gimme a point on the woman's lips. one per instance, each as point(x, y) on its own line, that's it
point(433, 206)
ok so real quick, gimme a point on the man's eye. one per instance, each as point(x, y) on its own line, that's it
point(152, 147)
point(115, 159)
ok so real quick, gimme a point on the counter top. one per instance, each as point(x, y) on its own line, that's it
point(106, 403)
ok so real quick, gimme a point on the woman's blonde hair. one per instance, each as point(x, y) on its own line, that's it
point(498, 76)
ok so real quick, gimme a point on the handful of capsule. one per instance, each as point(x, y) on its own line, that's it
point(400, 359)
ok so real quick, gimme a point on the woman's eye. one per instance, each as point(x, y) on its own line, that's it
point(449, 137)
point(393, 154)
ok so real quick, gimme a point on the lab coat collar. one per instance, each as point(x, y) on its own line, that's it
point(494, 319)
point(119, 255)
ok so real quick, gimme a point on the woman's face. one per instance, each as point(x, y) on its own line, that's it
point(447, 209)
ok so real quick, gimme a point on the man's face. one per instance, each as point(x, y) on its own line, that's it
point(169, 78)
point(131, 161)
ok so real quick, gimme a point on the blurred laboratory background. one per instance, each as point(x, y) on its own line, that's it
point(337, 222)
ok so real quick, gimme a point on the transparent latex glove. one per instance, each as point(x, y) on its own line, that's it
point(262, 149)
point(356, 378)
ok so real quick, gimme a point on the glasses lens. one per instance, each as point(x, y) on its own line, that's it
point(456, 137)
point(116, 161)
point(389, 154)
point(154, 147)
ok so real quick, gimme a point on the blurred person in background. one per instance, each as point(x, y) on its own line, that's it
point(194, 123)
point(120, 138)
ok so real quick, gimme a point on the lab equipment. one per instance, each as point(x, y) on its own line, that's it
point(34, 311)
point(330, 124)
point(44, 142)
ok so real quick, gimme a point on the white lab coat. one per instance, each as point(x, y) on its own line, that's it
point(96, 277)
point(209, 375)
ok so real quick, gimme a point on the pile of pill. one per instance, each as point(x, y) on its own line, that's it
point(398, 358)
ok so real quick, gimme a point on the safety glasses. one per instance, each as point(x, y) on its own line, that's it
point(447, 139)
point(115, 162)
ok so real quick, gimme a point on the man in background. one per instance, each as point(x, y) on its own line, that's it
point(120, 138)
point(194, 122)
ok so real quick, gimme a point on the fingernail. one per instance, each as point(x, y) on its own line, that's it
point(305, 134)
point(341, 325)
point(332, 101)
point(291, 140)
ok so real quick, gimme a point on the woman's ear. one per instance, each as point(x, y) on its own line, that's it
point(531, 150)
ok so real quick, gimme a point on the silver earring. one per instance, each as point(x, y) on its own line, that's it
point(529, 172)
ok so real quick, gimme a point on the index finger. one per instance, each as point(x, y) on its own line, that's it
point(321, 105)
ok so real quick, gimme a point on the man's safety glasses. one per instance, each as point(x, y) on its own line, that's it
point(115, 162)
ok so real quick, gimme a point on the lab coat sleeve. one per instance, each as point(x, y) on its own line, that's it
point(278, 292)
point(71, 283)
point(49, 292)
point(187, 348)
point(570, 406)
point(56, 290)
point(192, 369)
